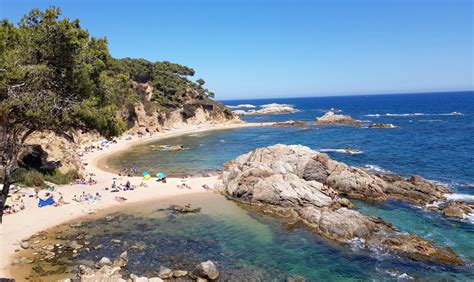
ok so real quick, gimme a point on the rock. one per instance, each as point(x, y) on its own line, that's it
point(122, 260)
point(165, 273)
point(301, 184)
point(330, 118)
point(179, 273)
point(116, 241)
point(104, 261)
point(290, 123)
point(155, 279)
point(25, 245)
point(242, 106)
point(457, 209)
point(105, 273)
point(206, 270)
point(74, 245)
point(381, 125)
point(176, 148)
point(184, 209)
point(269, 109)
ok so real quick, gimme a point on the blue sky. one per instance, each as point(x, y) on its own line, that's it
point(256, 49)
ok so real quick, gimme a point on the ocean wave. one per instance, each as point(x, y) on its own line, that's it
point(343, 151)
point(460, 197)
point(413, 114)
point(375, 169)
point(430, 120)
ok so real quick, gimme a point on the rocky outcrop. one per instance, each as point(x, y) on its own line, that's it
point(358, 183)
point(290, 123)
point(299, 183)
point(331, 118)
point(269, 109)
point(456, 209)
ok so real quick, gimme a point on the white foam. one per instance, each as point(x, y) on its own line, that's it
point(460, 197)
point(343, 151)
point(413, 114)
point(375, 168)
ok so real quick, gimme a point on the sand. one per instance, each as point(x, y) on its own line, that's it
point(22, 225)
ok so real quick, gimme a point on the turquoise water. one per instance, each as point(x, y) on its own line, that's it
point(429, 140)
point(244, 244)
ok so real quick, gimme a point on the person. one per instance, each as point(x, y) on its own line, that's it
point(127, 185)
point(120, 199)
point(36, 192)
point(114, 185)
point(205, 186)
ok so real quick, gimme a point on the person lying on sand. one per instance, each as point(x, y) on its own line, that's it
point(120, 199)
point(205, 186)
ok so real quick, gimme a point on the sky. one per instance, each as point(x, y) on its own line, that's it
point(261, 49)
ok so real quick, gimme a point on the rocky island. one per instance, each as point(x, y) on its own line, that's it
point(302, 184)
point(269, 109)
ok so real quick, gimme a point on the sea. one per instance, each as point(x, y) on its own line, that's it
point(433, 137)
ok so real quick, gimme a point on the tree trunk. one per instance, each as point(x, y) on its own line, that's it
point(7, 181)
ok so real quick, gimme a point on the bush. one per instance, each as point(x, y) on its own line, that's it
point(33, 178)
point(59, 178)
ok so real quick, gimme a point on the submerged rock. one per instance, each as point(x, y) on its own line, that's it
point(297, 182)
point(331, 118)
point(381, 125)
point(184, 209)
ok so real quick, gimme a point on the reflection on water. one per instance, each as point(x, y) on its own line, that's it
point(244, 245)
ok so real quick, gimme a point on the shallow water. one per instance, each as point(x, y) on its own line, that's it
point(429, 140)
point(244, 245)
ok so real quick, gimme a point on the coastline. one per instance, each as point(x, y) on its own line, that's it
point(22, 225)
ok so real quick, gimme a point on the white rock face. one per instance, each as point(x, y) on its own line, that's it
point(269, 109)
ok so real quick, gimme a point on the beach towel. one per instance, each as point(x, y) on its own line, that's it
point(43, 203)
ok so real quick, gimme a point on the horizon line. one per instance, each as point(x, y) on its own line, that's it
point(349, 95)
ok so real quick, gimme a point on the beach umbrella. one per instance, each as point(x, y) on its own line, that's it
point(161, 175)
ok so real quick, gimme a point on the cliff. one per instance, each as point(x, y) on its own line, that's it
point(48, 151)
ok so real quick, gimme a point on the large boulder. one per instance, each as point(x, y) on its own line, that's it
point(206, 270)
point(295, 181)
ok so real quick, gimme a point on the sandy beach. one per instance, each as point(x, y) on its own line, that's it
point(19, 226)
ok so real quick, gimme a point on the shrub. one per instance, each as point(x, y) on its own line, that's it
point(57, 177)
point(33, 178)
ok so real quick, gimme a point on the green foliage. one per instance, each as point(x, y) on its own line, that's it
point(50, 69)
point(59, 178)
point(33, 178)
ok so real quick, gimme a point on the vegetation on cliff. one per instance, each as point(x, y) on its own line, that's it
point(55, 76)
